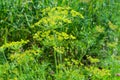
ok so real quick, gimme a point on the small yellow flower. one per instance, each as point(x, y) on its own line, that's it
point(65, 35)
point(72, 37)
point(99, 29)
point(60, 38)
point(112, 26)
point(74, 14)
point(112, 44)
point(93, 60)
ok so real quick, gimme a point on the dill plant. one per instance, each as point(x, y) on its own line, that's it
point(61, 39)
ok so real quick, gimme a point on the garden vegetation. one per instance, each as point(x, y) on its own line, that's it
point(59, 40)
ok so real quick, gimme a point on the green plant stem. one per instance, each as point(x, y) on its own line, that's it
point(55, 59)
point(4, 57)
point(6, 34)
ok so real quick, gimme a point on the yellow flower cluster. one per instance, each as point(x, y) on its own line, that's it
point(99, 29)
point(60, 49)
point(73, 62)
point(24, 57)
point(13, 45)
point(63, 35)
point(92, 60)
point(98, 72)
point(112, 44)
point(74, 14)
point(56, 16)
point(112, 26)
point(59, 36)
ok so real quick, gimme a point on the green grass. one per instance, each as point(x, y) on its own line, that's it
point(59, 39)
